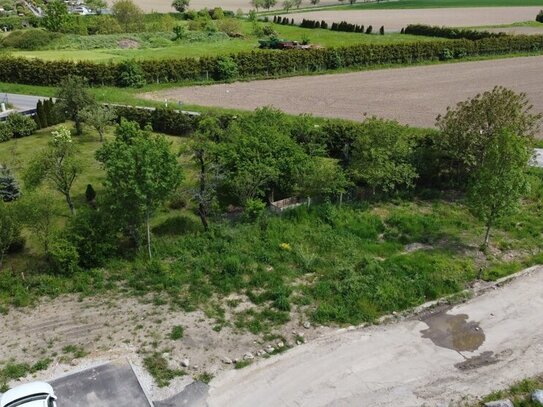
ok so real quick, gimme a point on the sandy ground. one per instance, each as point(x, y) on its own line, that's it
point(166, 5)
point(414, 95)
point(110, 328)
point(395, 20)
point(405, 364)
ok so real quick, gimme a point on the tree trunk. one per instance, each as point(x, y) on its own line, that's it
point(70, 204)
point(101, 133)
point(487, 234)
point(203, 216)
point(148, 235)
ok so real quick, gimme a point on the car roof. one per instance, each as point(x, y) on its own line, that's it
point(24, 391)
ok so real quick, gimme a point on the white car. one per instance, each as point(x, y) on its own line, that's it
point(37, 394)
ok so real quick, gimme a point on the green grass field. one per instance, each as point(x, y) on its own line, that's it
point(185, 49)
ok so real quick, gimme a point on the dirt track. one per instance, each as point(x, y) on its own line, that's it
point(394, 20)
point(414, 95)
point(411, 363)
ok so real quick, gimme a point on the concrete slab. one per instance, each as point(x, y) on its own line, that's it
point(109, 385)
point(194, 395)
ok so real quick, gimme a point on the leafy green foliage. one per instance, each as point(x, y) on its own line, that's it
point(72, 98)
point(56, 15)
point(473, 126)
point(180, 5)
point(10, 229)
point(249, 64)
point(21, 125)
point(63, 257)
point(500, 181)
point(141, 173)
point(382, 156)
point(131, 75)
point(58, 164)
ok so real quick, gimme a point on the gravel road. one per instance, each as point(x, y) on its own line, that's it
point(410, 363)
point(414, 95)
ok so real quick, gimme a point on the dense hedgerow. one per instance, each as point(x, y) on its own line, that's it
point(451, 33)
point(262, 63)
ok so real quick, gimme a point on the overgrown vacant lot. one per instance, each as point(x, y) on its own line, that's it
point(395, 20)
point(162, 45)
point(334, 264)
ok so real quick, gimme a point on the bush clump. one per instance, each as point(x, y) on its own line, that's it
point(30, 39)
point(21, 125)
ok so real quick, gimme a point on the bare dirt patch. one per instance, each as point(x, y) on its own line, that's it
point(79, 333)
point(395, 20)
point(414, 95)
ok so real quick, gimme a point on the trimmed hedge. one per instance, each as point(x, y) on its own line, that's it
point(263, 63)
point(451, 33)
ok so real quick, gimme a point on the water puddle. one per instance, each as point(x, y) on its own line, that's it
point(453, 332)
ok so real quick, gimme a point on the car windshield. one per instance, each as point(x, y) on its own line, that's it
point(28, 399)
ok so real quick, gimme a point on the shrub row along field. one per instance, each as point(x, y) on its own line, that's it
point(260, 64)
point(380, 236)
point(447, 32)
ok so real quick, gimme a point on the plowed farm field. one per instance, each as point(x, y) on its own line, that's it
point(414, 95)
point(395, 20)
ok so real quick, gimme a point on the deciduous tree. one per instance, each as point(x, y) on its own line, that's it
point(180, 5)
point(382, 156)
point(500, 181)
point(72, 98)
point(470, 128)
point(98, 117)
point(58, 164)
point(141, 173)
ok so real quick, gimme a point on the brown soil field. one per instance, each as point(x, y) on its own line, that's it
point(413, 95)
point(166, 5)
point(395, 20)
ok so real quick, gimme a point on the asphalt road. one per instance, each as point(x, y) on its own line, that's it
point(109, 385)
point(20, 103)
point(471, 349)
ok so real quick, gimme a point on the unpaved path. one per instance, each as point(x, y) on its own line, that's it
point(395, 20)
point(414, 95)
point(410, 363)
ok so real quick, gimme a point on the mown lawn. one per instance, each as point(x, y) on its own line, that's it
point(337, 265)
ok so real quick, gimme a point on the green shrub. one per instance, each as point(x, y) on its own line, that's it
point(226, 69)
point(21, 125)
point(63, 257)
point(539, 17)
point(29, 39)
point(130, 75)
point(5, 132)
point(93, 234)
point(254, 208)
